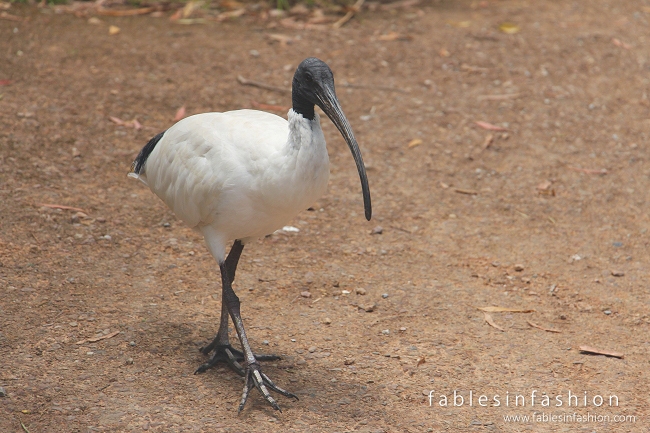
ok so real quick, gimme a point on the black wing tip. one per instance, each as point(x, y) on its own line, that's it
point(141, 159)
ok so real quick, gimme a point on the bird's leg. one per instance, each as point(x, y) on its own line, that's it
point(224, 352)
point(253, 374)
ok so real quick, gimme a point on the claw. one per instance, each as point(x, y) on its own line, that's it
point(255, 377)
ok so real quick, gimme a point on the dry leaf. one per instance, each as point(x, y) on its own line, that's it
point(489, 126)
point(421, 360)
point(618, 43)
point(534, 325)
point(505, 310)
point(113, 30)
point(190, 7)
point(414, 142)
point(116, 120)
point(490, 322)
point(509, 28)
point(392, 36)
point(488, 141)
point(589, 349)
point(96, 339)
point(180, 113)
point(460, 24)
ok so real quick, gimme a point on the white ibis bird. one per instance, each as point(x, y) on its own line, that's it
point(240, 175)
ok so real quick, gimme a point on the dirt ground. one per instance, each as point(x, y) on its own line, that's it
point(102, 314)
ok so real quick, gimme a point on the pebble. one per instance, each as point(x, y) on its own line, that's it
point(327, 321)
point(360, 291)
point(519, 268)
point(305, 294)
point(131, 343)
point(349, 361)
point(608, 312)
point(402, 329)
point(265, 342)
point(617, 273)
point(377, 230)
point(368, 308)
point(385, 295)
point(73, 324)
point(312, 349)
point(3, 393)
point(129, 361)
point(385, 332)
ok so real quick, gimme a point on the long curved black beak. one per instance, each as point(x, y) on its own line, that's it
point(329, 103)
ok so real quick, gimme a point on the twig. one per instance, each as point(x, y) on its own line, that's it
point(125, 12)
point(95, 339)
point(348, 16)
point(489, 126)
point(591, 350)
point(401, 229)
point(264, 86)
point(589, 170)
point(399, 4)
point(488, 319)
point(23, 426)
point(371, 87)
point(465, 191)
point(499, 97)
point(534, 325)
point(60, 206)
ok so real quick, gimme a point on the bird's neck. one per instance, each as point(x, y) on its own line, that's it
point(302, 106)
point(303, 132)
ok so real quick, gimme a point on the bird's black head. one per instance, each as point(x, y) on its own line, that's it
point(313, 84)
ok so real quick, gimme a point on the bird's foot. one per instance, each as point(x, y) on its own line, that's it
point(231, 356)
point(255, 378)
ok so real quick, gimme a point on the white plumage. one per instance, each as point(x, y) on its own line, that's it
point(240, 174)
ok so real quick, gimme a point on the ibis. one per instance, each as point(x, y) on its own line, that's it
point(239, 175)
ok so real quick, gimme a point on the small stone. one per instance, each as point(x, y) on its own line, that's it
point(305, 294)
point(608, 312)
point(73, 324)
point(312, 349)
point(368, 308)
point(385, 295)
point(254, 53)
point(348, 361)
point(519, 268)
point(101, 219)
point(617, 273)
point(78, 217)
point(360, 291)
point(129, 361)
point(3, 393)
point(402, 329)
point(385, 332)
point(166, 225)
point(562, 317)
point(345, 292)
point(293, 340)
point(265, 342)
point(377, 230)
point(327, 321)
point(132, 343)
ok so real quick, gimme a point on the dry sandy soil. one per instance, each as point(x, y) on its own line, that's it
point(550, 215)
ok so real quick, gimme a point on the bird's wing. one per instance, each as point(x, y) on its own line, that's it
point(206, 164)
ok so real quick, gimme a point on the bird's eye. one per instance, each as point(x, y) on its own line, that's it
point(309, 78)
